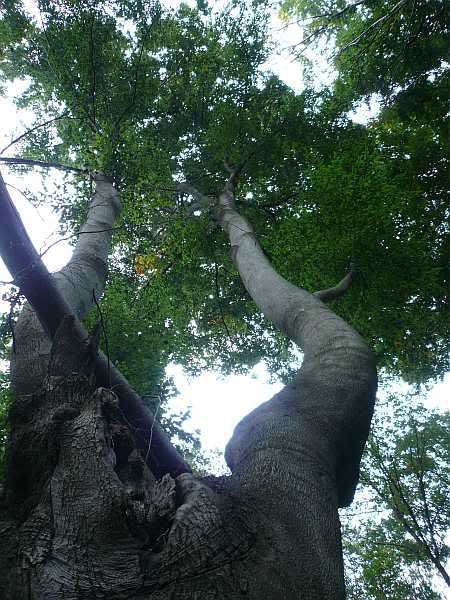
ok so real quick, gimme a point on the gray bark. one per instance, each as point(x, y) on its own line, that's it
point(95, 523)
point(85, 272)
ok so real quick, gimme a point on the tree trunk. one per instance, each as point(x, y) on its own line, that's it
point(84, 517)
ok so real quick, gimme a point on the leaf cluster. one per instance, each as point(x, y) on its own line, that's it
point(396, 536)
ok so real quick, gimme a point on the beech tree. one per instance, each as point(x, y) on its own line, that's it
point(396, 531)
point(142, 106)
point(86, 514)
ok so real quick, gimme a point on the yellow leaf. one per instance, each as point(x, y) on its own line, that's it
point(145, 262)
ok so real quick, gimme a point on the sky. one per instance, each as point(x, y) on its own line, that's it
point(217, 403)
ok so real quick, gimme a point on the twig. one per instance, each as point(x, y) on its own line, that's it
point(152, 426)
point(13, 187)
point(17, 139)
point(72, 235)
point(40, 163)
point(102, 323)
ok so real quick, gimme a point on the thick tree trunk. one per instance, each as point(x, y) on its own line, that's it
point(94, 522)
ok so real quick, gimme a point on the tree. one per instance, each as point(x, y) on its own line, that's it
point(174, 94)
point(92, 475)
point(86, 516)
point(400, 539)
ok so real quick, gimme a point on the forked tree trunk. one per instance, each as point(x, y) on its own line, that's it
point(84, 517)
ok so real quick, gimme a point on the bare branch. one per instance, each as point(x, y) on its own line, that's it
point(44, 124)
point(40, 163)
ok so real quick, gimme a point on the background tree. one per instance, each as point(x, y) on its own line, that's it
point(399, 539)
point(395, 49)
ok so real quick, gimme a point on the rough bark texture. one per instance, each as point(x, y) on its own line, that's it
point(89, 519)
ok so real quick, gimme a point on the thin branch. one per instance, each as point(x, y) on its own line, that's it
point(18, 139)
point(422, 491)
point(22, 193)
point(105, 337)
point(331, 16)
point(376, 23)
point(40, 163)
point(150, 438)
point(78, 233)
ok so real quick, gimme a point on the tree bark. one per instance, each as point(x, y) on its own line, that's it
point(96, 523)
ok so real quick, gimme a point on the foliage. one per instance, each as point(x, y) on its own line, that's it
point(381, 46)
point(152, 97)
point(396, 536)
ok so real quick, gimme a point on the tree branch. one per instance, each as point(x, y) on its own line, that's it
point(17, 139)
point(40, 163)
point(375, 24)
point(338, 290)
point(338, 368)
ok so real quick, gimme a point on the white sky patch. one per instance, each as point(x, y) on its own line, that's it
point(285, 62)
point(365, 111)
point(282, 63)
point(219, 403)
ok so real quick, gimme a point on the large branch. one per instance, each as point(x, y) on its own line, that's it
point(331, 401)
point(338, 290)
point(41, 290)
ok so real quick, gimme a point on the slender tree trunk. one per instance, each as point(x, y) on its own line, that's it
point(94, 522)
